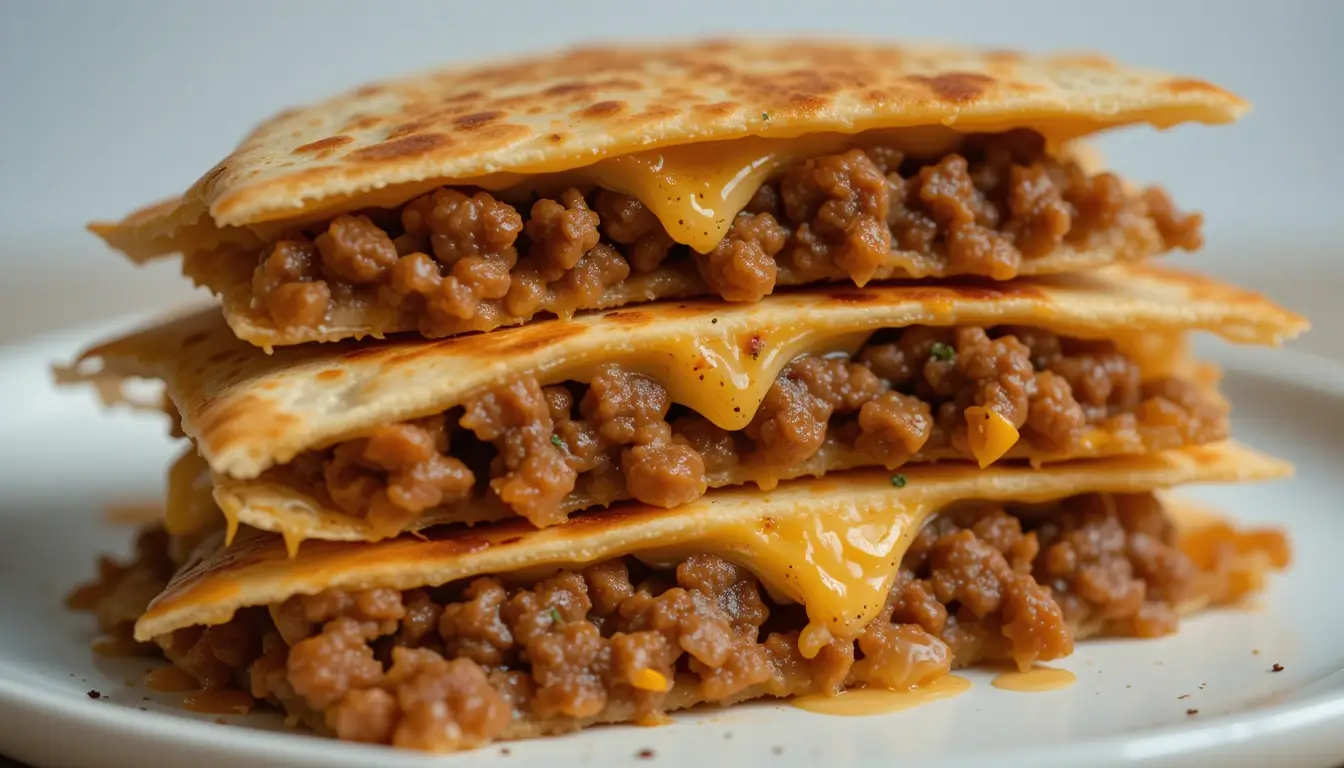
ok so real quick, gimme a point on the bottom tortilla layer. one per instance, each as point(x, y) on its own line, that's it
point(528, 654)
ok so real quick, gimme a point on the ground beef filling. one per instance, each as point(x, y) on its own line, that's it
point(456, 260)
point(121, 592)
point(454, 667)
point(619, 436)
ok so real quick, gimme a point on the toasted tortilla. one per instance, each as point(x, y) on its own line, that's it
point(248, 411)
point(386, 142)
point(765, 532)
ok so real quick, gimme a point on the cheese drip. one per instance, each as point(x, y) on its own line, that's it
point(725, 376)
point(838, 559)
point(190, 507)
point(696, 190)
point(839, 564)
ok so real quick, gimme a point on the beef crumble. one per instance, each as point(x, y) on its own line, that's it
point(456, 260)
point(121, 592)
point(903, 396)
point(457, 666)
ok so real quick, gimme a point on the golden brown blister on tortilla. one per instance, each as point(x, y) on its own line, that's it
point(386, 142)
point(248, 411)
point(764, 532)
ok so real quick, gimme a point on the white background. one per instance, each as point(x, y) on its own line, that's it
point(105, 106)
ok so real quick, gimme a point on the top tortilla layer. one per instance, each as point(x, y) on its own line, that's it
point(386, 142)
point(248, 411)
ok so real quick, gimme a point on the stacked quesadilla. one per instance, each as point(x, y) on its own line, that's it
point(593, 386)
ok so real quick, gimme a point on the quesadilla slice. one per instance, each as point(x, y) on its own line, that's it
point(660, 403)
point(466, 635)
point(479, 197)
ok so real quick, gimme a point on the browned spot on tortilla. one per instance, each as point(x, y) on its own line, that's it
point(360, 122)
point(601, 109)
point(330, 374)
point(717, 109)
point(468, 96)
point(476, 120)
point(956, 87)
point(518, 340)
point(658, 112)
point(501, 132)
point(630, 317)
point(564, 88)
point(406, 129)
point(219, 357)
point(322, 145)
point(195, 338)
point(404, 147)
point(805, 104)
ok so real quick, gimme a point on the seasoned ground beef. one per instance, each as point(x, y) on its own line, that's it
point(120, 593)
point(457, 260)
point(903, 396)
point(456, 666)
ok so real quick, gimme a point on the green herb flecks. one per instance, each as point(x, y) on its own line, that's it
point(944, 352)
point(765, 116)
point(558, 443)
point(898, 481)
point(555, 615)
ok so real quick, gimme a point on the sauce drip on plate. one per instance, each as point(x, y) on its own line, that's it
point(878, 701)
point(1035, 680)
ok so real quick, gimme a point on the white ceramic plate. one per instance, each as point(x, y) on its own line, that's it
point(64, 460)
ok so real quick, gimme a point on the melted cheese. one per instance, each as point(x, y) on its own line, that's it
point(650, 680)
point(725, 377)
point(1035, 680)
point(696, 190)
point(190, 507)
point(838, 561)
point(989, 433)
point(862, 702)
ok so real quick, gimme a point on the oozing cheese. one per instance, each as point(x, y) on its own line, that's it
point(838, 564)
point(696, 190)
point(190, 506)
point(725, 377)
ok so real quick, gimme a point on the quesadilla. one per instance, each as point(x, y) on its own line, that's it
point(466, 635)
point(363, 441)
point(478, 197)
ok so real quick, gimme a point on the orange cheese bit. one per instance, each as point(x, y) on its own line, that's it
point(650, 680)
point(990, 434)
